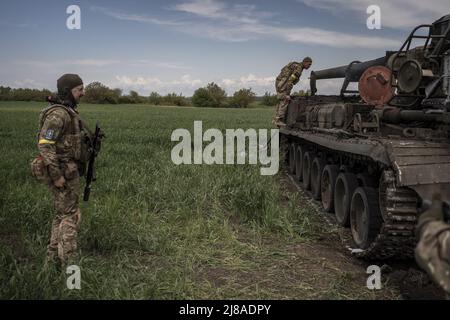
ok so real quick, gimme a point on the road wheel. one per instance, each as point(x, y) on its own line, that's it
point(299, 163)
point(316, 174)
point(365, 218)
point(346, 183)
point(291, 162)
point(328, 180)
point(307, 159)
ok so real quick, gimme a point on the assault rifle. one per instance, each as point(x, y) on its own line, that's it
point(90, 176)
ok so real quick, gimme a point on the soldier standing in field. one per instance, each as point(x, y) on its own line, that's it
point(288, 77)
point(433, 250)
point(63, 146)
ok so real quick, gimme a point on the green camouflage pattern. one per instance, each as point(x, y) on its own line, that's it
point(433, 250)
point(61, 145)
point(288, 77)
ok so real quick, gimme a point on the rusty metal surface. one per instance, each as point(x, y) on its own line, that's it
point(375, 86)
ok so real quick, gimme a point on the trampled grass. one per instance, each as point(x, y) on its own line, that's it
point(154, 230)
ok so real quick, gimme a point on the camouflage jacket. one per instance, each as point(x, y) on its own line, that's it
point(288, 77)
point(433, 250)
point(62, 138)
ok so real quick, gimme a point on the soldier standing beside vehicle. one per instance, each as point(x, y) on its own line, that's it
point(63, 146)
point(433, 250)
point(288, 77)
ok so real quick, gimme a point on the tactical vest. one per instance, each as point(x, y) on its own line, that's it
point(73, 144)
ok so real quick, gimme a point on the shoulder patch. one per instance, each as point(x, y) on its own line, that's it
point(49, 134)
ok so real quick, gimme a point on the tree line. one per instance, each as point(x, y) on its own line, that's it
point(212, 95)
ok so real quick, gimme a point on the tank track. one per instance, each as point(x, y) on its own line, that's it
point(398, 207)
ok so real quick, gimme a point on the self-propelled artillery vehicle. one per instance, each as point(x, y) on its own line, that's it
point(375, 155)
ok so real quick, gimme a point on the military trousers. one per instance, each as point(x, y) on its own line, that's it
point(280, 115)
point(66, 222)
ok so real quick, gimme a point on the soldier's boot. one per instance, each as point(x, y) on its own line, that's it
point(281, 113)
point(279, 117)
point(279, 121)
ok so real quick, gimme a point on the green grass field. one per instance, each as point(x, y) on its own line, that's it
point(154, 230)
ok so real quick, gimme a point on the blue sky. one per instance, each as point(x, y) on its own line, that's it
point(178, 46)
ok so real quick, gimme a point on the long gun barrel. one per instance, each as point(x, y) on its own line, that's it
point(351, 72)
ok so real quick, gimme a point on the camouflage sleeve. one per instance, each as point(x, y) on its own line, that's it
point(50, 133)
point(433, 251)
point(297, 74)
point(293, 80)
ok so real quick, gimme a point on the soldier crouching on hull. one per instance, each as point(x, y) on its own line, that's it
point(288, 77)
point(433, 250)
point(62, 144)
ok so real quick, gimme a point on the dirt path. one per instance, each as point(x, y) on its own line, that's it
point(328, 257)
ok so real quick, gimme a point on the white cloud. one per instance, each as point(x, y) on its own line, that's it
point(261, 85)
point(336, 39)
point(247, 23)
point(258, 84)
point(144, 85)
point(237, 13)
point(134, 17)
point(237, 23)
point(394, 14)
point(187, 85)
point(206, 8)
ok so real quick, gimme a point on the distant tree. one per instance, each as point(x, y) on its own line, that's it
point(201, 98)
point(269, 99)
point(174, 99)
point(117, 92)
point(242, 98)
point(155, 98)
point(5, 93)
point(97, 92)
point(134, 97)
point(210, 96)
point(23, 94)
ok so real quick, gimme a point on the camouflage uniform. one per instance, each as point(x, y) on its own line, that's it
point(433, 250)
point(62, 146)
point(288, 77)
